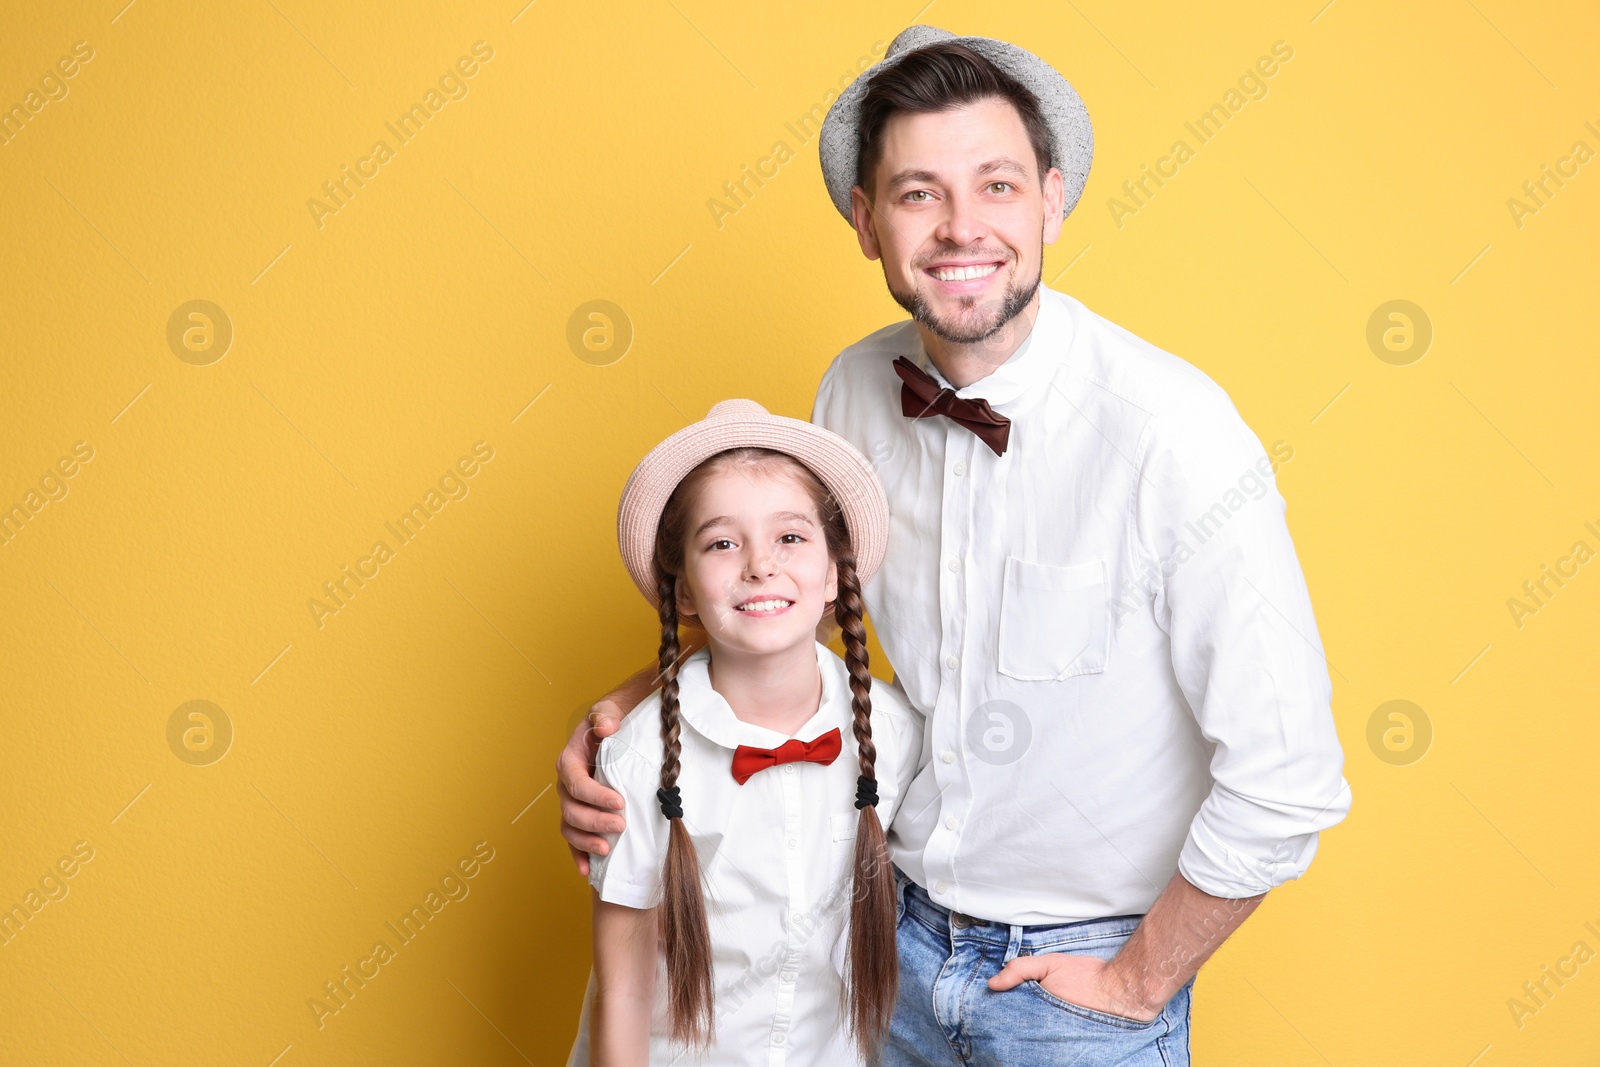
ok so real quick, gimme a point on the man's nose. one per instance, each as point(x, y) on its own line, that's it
point(963, 222)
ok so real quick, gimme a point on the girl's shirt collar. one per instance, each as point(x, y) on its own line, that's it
point(705, 709)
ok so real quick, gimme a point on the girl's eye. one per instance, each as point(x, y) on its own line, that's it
point(719, 541)
point(798, 539)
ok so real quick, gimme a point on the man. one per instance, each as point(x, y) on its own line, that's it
point(1089, 591)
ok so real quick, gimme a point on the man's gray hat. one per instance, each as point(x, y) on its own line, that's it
point(1071, 137)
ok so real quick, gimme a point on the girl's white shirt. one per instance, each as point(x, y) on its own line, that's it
point(776, 855)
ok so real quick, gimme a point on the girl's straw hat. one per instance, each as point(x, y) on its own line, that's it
point(738, 424)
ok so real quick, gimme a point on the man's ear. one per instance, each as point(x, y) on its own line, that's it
point(1054, 196)
point(861, 218)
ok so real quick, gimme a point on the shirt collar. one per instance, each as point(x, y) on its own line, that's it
point(1033, 364)
point(709, 713)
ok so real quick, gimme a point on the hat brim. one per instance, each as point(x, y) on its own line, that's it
point(847, 474)
point(1071, 134)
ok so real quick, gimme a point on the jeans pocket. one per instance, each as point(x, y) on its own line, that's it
point(1120, 1022)
point(1053, 620)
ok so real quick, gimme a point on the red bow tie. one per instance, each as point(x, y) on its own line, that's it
point(922, 398)
point(823, 749)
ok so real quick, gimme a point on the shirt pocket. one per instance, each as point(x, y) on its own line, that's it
point(1053, 620)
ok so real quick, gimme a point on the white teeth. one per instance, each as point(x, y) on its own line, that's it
point(961, 274)
point(764, 605)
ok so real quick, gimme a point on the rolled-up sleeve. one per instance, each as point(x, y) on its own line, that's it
point(1245, 650)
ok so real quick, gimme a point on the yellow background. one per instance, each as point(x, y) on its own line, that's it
point(372, 752)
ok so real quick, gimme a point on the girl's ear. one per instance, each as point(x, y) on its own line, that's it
point(684, 599)
point(830, 591)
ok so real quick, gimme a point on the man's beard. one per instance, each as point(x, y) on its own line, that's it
point(1016, 298)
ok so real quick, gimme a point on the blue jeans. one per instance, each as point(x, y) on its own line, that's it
point(947, 1015)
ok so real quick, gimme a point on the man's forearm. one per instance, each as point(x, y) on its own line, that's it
point(631, 693)
point(1181, 930)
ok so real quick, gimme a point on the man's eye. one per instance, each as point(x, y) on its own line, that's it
point(916, 193)
point(1004, 187)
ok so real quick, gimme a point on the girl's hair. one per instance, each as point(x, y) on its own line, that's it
point(872, 965)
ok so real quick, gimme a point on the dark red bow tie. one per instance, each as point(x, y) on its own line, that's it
point(823, 749)
point(922, 398)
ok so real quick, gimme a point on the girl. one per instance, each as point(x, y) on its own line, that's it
point(762, 767)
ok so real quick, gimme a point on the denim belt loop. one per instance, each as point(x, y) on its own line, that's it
point(1014, 942)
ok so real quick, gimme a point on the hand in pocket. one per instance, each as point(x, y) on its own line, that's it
point(1084, 981)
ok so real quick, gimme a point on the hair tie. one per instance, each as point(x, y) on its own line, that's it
point(671, 804)
point(866, 792)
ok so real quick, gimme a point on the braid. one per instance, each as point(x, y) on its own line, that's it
point(684, 931)
point(667, 666)
point(847, 612)
point(872, 967)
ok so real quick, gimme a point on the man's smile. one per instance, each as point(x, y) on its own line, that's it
point(962, 277)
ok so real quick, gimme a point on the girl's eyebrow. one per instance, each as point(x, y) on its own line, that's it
point(727, 520)
point(715, 520)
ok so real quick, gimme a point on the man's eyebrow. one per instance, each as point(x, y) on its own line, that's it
point(993, 166)
point(906, 177)
point(1003, 163)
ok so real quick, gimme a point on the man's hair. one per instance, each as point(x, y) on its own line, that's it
point(941, 77)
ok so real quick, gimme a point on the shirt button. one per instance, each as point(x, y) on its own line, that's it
point(955, 564)
point(939, 887)
point(777, 1039)
point(960, 469)
point(949, 756)
point(787, 976)
point(950, 823)
point(793, 843)
point(797, 919)
point(788, 768)
point(952, 662)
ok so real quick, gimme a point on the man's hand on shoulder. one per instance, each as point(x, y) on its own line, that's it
point(588, 808)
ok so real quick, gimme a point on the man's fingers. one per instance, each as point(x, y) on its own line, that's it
point(575, 816)
point(581, 859)
point(572, 773)
point(604, 718)
point(584, 842)
point(584, 816)
point(1018, 971)
point(590, 802)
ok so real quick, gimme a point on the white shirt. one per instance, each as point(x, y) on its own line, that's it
point(1106, 629)
point(776, 853)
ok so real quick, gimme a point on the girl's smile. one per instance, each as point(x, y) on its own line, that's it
point(764, 607)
